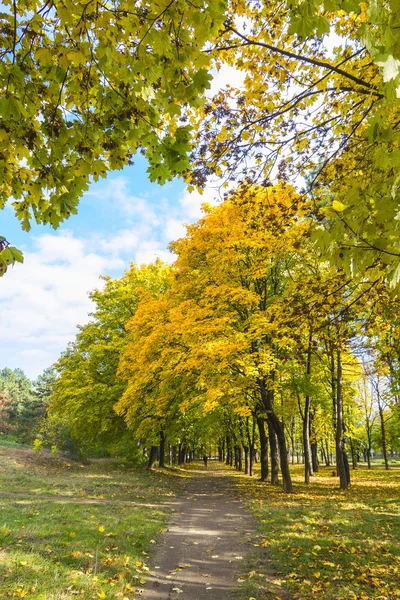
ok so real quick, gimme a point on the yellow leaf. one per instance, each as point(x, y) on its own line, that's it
point(338, 206)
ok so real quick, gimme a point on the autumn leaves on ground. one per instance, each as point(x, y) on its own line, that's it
point(86, 529)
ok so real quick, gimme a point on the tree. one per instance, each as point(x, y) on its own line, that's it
point(85, 86)
point(20, 407)
point(306, 109)
point(87, 387)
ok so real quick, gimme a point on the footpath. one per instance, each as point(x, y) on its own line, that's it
point(199, 556)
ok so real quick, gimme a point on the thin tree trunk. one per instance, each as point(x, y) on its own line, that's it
point(383, 433)
point(161, 460)
point(314, 457)
point(308, 471)
point(263, 448)
point(341, 456)
point(246, 460)
point(274, 453)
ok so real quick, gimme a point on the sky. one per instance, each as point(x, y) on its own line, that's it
point(121, 219)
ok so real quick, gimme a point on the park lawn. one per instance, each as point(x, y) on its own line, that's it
point(325, 543)
point(72, 530)
point(23, 469)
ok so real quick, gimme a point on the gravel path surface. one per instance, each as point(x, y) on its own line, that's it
point(208, 536)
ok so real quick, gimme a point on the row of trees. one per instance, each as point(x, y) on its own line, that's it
point(252, 339)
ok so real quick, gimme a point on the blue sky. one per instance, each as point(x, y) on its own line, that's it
point(121, 219)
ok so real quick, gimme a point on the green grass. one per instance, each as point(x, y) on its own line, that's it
point(72, 530)
point(330, 544)
point(43, 474)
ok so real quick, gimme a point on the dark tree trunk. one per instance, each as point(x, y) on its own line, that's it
point(314, 457)
point(250, 439)
point(306, 441)
point(341, 456)
point(328, 458)
point(220, 454)
point(161, 460)
point(228, 450)
point(152, 457)
point(308, 471)
point(383, 433)
point(246, 460)
point(267, 398)
point(274, 453)
point(240, 456)
point(353, 454)
point(263, 448)
point(174, 455)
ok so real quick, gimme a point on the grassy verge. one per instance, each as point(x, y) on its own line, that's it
point(330, 544)
point(71, 530)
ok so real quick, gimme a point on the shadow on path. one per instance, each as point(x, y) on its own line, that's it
point(208, 535)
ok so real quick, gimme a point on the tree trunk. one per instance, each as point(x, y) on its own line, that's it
point(314, 457)
point(246, 460)
point(250, 439)
point(263, 448)
point(174, 455)
point(383, 433)
point(274, 453)
point(308, 471)
point(328, 461)
point(341, 456)
point(152, 457)
point(161, 460)
point(267, 397)
point(306, 441)
point(353, 455)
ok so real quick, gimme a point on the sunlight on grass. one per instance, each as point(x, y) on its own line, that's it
point(331, 544)
point(53, 548)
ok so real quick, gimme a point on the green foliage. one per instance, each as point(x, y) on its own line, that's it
point(22, 409)
point(84, 395)
point(85, 86)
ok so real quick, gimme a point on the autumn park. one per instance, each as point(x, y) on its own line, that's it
point(212, 412)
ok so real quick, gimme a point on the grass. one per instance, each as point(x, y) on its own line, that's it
point(71, 530)
point(326, 543)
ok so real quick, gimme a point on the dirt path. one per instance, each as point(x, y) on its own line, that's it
point(208, 536)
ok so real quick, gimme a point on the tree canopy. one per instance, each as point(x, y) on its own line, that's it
point(85, 86)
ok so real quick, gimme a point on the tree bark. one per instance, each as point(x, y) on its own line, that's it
point(263, 448)
point(383, 433)
point(161, 460)
point(341, 456)
point(314, 457)
point(274, 453)
point(267, 398)
point(308, 471)
point(246, 460)
point(152, 457)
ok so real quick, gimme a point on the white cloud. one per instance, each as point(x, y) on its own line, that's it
point(191, 201)
point(174, 229)
point(151, 250)
point(125, 240)
point(116, 192)
point(43, 300)
point(226, 76)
